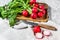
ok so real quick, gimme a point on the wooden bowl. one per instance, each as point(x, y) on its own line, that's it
point(44, 19)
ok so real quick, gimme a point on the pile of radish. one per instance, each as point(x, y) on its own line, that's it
point(39, 33)
point(38, 11)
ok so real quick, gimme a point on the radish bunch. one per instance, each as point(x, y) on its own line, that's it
point(38, 11)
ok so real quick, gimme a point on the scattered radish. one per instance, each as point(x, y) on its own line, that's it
point(39, 35)
point(47, 33)
point(36, 29)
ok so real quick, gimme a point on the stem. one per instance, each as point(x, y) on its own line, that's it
point(29, 10)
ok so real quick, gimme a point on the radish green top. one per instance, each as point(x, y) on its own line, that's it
point(11, 10)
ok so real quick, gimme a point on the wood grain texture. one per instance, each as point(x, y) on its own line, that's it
point(48, 27)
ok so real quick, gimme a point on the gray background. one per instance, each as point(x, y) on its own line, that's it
point(27, 34)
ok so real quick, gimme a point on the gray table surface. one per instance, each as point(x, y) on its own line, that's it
point(27, 34)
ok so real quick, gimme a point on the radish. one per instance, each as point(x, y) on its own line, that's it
point(39, 35)
point(36, 5)
point(32, 1)
point(35, 10)
point(41, 7)
point(25, 13)
point(36, 29)
point(40, 14)
point(44, 11)
point(33, 15)
point(47, 33)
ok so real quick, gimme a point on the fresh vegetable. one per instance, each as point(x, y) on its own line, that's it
point(34, 9)
point(41, 7)
point(47, 33)
point(36, 5)
point(44, 11)
point(36, 29)
point(32, 1)
point(33, 15)
point(14, 7)
point(39, 35)
point(25, 13)
point(40, 14)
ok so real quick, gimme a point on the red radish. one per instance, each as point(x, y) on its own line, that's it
point(40, 14)
point(32, 1)
point(39, 35)
point(36, 5)
point(44, 11)
point(31, 4)
point(25, 13)
point(41, 7)
point(47, 33)
point(36, 29)
point(34, 10)
point(33, 15)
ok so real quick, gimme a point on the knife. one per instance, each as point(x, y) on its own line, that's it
point(49, 27)
point(41, 25)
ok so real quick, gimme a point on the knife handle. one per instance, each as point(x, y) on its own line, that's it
point(48, 27)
